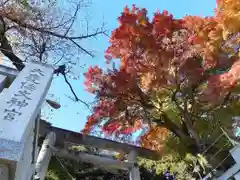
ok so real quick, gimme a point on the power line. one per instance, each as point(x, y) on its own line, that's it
point(65, 169)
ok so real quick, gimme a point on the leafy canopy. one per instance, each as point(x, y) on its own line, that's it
point(177, 76)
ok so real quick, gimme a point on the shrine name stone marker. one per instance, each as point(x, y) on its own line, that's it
point(19, 108)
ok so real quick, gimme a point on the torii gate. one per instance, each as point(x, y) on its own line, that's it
point(22, 95)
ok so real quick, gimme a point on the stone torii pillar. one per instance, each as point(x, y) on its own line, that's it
point(134, 171)
point(44, 156)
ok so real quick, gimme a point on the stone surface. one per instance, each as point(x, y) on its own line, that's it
point(134, 173)
point(9, 72)
point(236, 153)
point(44, 156)
point(20, 105)
point(22, 101)
point(98, 161)
point(4, 172)
point(10, 150)
point(230, 172)
point(24, 168)
point(3, 80)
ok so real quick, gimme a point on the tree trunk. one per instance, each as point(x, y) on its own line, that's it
point(191, 144)
point(194, 135)
point(6, 48)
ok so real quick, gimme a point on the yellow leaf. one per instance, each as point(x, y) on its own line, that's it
point(225, 35)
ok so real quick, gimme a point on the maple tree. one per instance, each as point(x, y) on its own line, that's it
point(178, 76)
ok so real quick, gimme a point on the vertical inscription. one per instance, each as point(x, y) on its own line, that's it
point(23, 96)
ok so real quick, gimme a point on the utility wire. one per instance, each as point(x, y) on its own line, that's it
point(65, 169)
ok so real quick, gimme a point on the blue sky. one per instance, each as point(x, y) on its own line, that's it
point(73, 115)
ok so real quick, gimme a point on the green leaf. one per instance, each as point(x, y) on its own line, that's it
point(214, 71)
point(25, 3)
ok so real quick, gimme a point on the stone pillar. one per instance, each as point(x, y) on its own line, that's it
point(134, 171)
point(4, 172)
point(44, 156)
point(19, 107)
point(3, 80)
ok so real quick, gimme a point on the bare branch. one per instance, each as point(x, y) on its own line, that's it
point(80, 47)
point(42, 33)
point(73, 92)
point(7, 50)
point(73, 18)
point(44, 30)
point(79, 100)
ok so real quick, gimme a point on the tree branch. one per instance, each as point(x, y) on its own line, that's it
point(80, 47)
point(186, 118)
point(61, 70)
point(177, 131)
point(44, 30)
point(73, 18)
point(189, 141)
point(225, 101)
point(6, 48)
